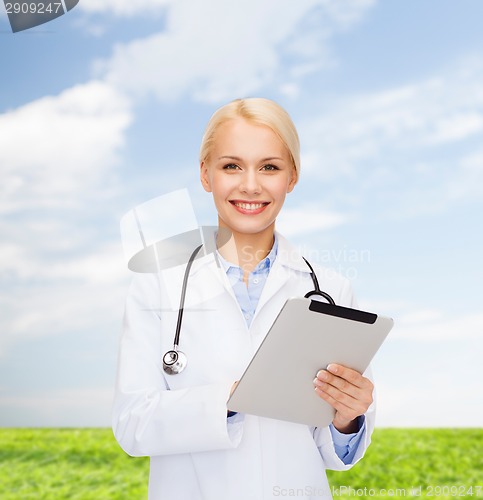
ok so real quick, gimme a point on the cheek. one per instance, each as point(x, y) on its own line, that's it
point(222, 185)
point(216, 187)
point(281, 188)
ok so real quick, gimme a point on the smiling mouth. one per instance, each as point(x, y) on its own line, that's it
point(249, 206)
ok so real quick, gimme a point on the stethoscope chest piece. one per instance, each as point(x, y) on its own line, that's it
point(174, 362)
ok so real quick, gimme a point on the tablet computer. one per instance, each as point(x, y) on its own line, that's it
point(305, 337)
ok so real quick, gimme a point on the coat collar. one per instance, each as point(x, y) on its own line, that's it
point(288, 260)
point(287, 254)
point(206, 269)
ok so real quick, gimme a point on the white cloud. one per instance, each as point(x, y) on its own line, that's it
point(343, 14)
point(218, 50)
point(420, 316)
point(456, 127)
point(54, 148)
point(364, 127)
point(434, 402)
point(418, 326)
point(58, 408)
point(405, 142)
point(473, 162)
point(307, 218)
point(125, 7)
point(467, 183)
point(428, 372)
point(61, 293)
point(57, 155)
point(99, 265)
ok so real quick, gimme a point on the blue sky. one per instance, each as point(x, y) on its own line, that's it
point(104, 108)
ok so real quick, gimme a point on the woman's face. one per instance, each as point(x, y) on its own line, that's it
point(249, 172)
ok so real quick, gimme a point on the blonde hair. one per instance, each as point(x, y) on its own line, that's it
point(259, 111)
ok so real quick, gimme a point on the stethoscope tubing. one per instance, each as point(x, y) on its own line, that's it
point(317, 290)
point(177, 359)
point(183, 295)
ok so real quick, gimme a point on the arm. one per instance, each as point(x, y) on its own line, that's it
point(348, 392)
point(341, 448)
point(346, 445)
point(148, 417)
point(351, 395)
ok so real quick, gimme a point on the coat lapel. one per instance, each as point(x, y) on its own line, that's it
point(288, 260)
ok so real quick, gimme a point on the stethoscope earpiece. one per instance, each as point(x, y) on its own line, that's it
point(317, 290)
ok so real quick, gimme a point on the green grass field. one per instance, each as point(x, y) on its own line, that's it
point(87, 464)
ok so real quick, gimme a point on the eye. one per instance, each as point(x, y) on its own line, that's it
point(230, 166)
point(270, 168)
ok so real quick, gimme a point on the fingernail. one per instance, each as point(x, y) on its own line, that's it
point(317, 382)
point(332, 368)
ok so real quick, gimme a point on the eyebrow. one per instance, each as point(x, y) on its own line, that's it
point(270, 158)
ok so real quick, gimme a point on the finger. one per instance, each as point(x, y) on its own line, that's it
point(331, 394)
point(233, 387)
point(325, 380)
point(352, 376)
point(341, 390)
point(341, 374)
point(325, 377)
point(345, 411)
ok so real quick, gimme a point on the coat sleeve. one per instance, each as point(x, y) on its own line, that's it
point(325, 443)
point(322, 435)
point(148, 419)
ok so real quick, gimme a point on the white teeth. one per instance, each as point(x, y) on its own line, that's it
point(250, 206)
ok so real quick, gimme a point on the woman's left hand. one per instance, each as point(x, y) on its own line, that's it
point(347, 391)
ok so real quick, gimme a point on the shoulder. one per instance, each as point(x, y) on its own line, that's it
point(142, 286)
point(330, 281)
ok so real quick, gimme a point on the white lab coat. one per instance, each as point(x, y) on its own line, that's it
point(180, 421)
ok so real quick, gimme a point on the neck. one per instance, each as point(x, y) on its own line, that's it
point(246, 250)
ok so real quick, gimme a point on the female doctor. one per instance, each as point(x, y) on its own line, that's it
point(199, 450)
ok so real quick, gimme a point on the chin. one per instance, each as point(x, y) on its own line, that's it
point(247, 224)
point(250, 228)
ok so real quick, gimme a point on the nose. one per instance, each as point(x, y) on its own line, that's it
point(250, 183)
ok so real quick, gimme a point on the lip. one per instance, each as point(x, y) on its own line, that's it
point(242, 206)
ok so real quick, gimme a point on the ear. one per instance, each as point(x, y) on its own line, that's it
point(205, 179)
point(293, 180)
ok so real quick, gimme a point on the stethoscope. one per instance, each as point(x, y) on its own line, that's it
point(175, 361)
